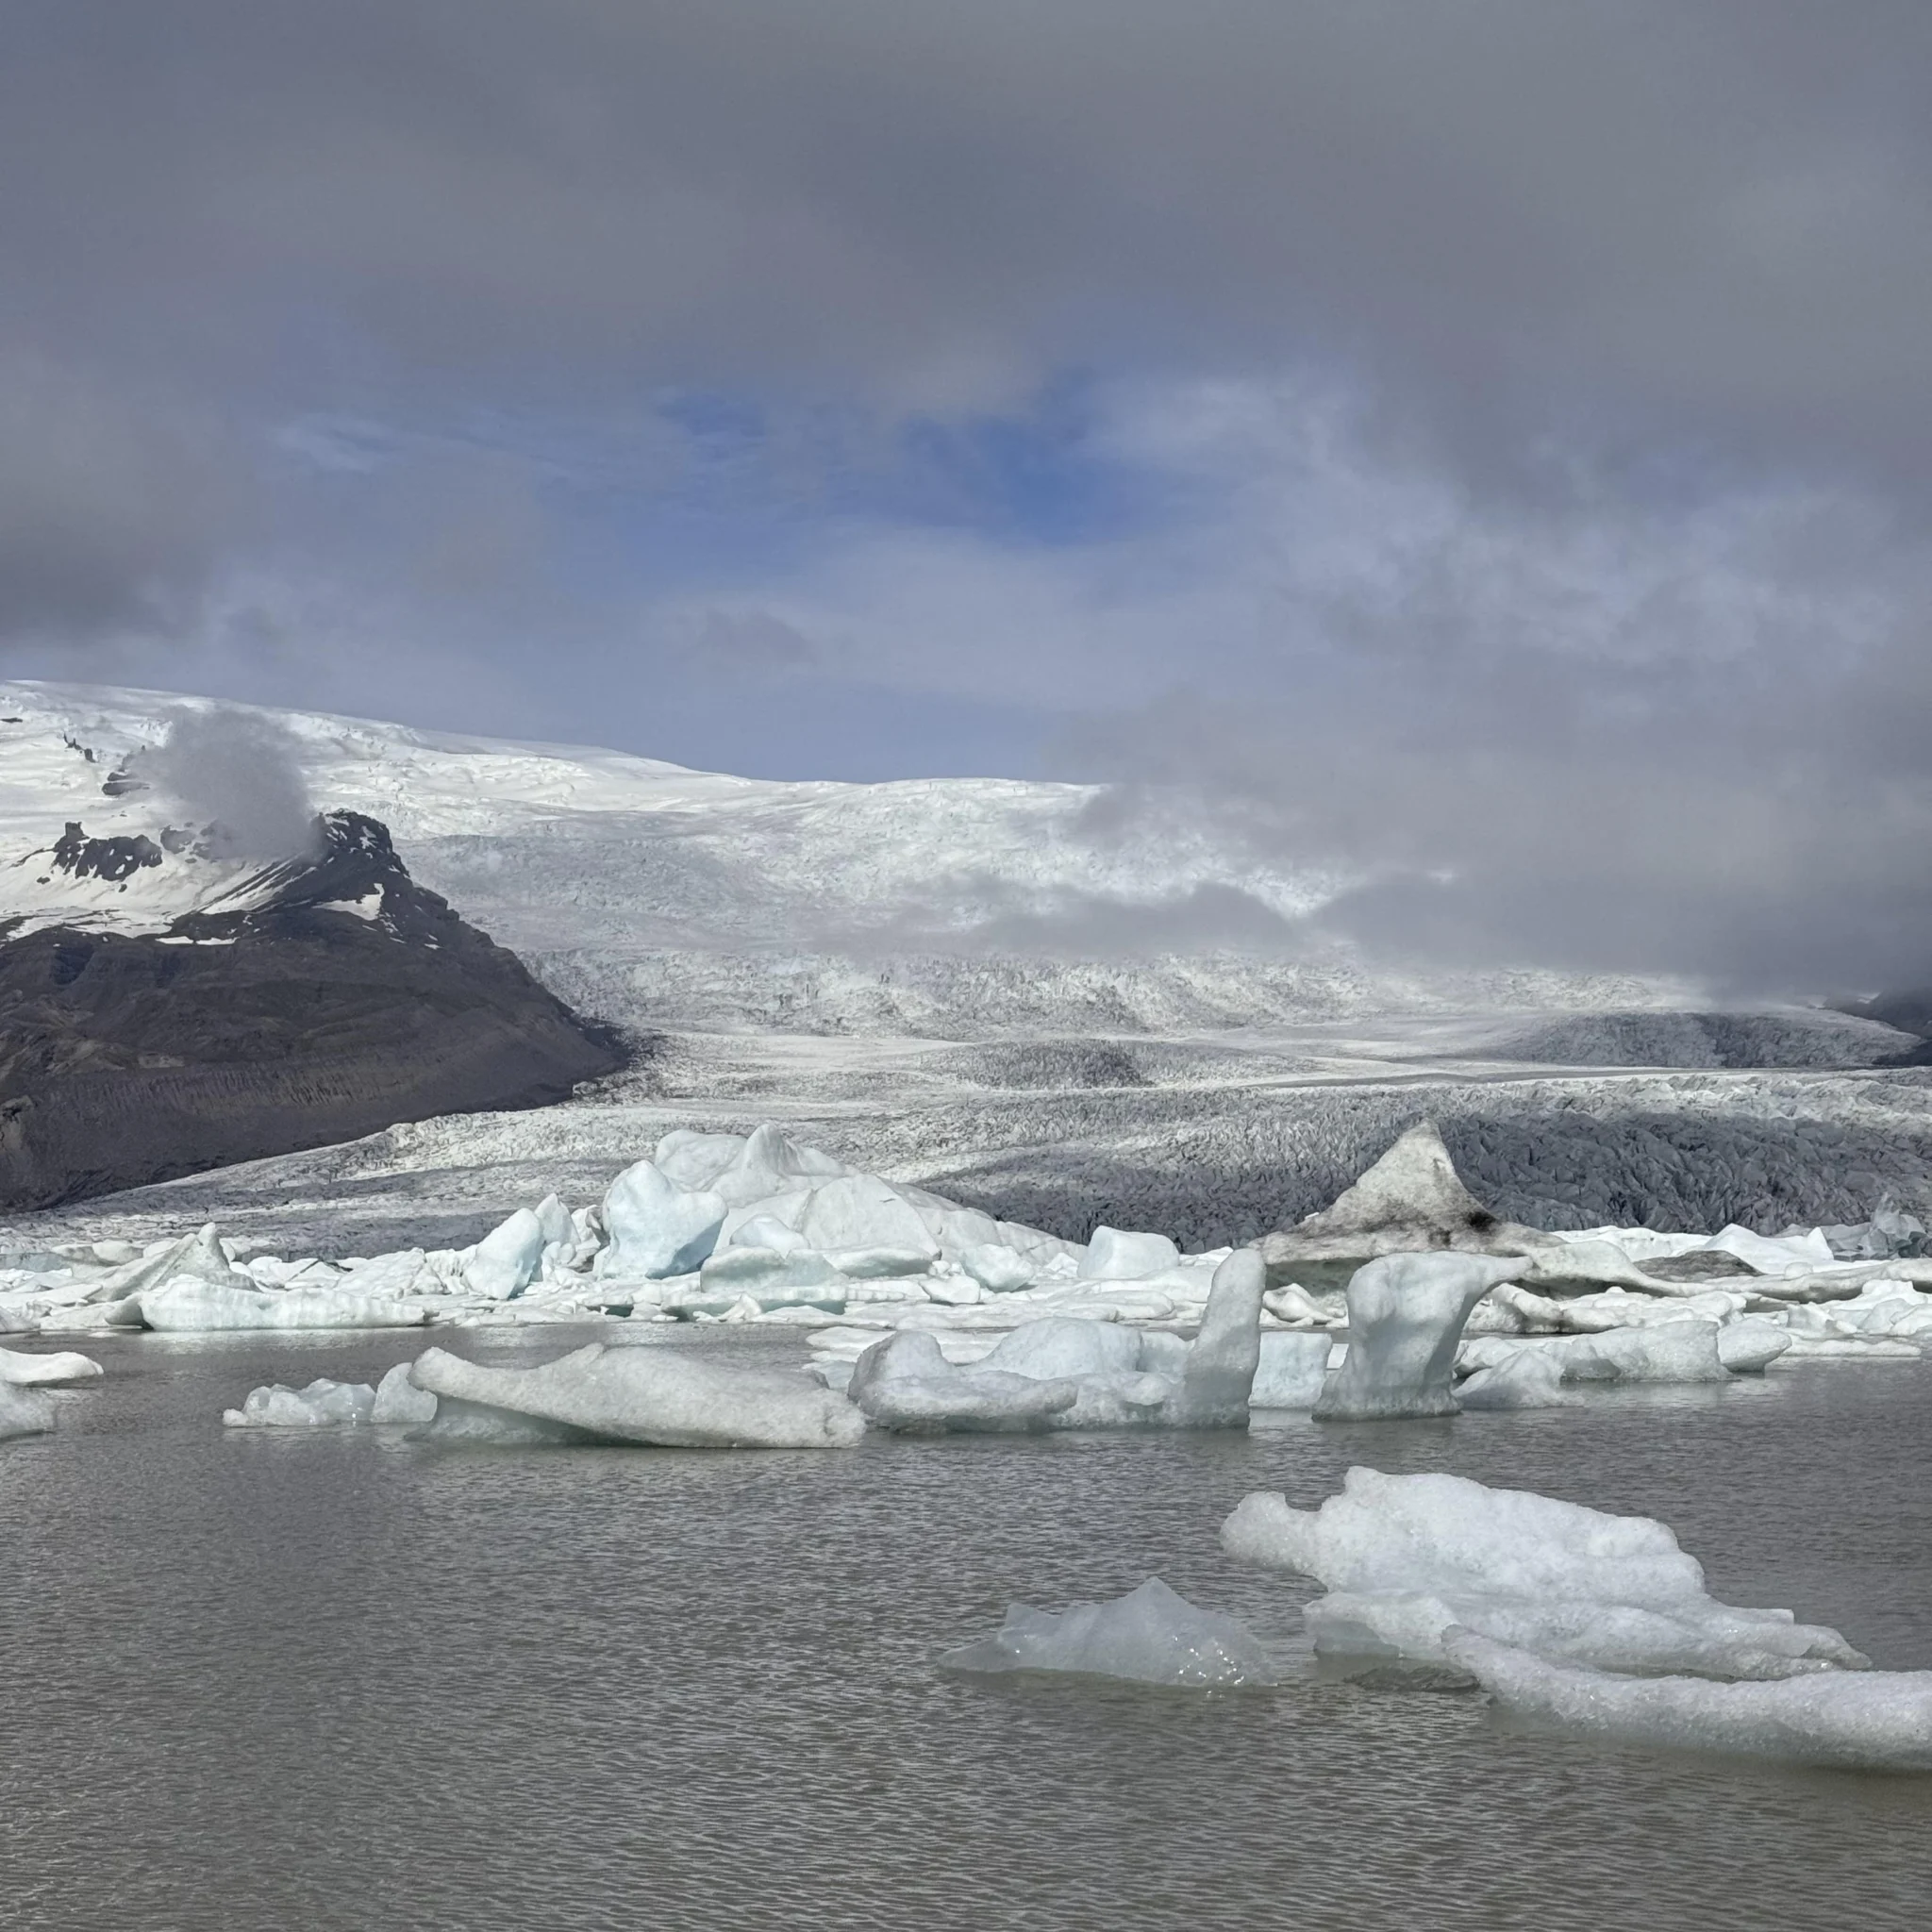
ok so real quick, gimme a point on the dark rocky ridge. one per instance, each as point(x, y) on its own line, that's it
point(292, 1024)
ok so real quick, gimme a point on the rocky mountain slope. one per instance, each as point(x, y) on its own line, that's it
point(306, 1001)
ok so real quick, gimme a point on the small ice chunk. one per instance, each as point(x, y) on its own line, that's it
point(1067, 1346)
point(322, 1405)
point(997, 1268)
point(1150, 1636)
point(24, 1371)
point(1862, 1721)
point(1116, 1255)
point(1404, 1318)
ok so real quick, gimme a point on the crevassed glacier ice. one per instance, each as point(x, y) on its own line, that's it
point(1856, 1720)
point(1405, 1558)
point(1150, 1636)
point(666, 1396)
point(1404, 1318)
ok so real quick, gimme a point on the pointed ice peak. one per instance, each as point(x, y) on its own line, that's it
point(1414, 1182)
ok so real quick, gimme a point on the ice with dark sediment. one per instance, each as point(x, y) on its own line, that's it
point(1150, 1636)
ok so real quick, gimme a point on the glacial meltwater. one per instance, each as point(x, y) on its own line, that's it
point(310, 1680)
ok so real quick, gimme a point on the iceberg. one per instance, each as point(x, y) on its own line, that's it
point(188, 1306)
point(1523, 1378)
point(904, 1383)
point(656, 1228)
point(667, 1396)
point(1859, 1721)
point(507, 1260)
point(322, 1405)
point(1114, 1255)
point(1406, 1314)
point(1749, 1347)
point(1656, 1352)
point(21, 1371)
point(1407, 1558)
point(1150, 1636)
point(1219, 1372)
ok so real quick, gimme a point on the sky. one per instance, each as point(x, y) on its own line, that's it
point(1483, 447)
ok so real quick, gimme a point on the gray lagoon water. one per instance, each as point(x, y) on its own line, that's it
point(342, 1680)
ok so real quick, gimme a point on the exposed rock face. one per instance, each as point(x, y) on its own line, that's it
point(344, 999)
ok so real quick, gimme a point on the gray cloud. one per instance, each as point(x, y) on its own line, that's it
point(1594, 635)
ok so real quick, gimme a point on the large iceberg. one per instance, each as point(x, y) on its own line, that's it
point(1862, 1721)
point(643, 1395)
point(1404, 1318)
point(1407, 1558)
point(1150, 1636)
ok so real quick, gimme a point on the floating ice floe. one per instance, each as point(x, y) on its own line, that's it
point(635, 1394)
point(20, 1369)
point(1407, 1558)
point(1150, 1636)
point(1862, 1721)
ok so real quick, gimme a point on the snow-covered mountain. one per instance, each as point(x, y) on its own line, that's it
point(650, 895)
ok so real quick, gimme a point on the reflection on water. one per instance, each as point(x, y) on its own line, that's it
point(326, 1681)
